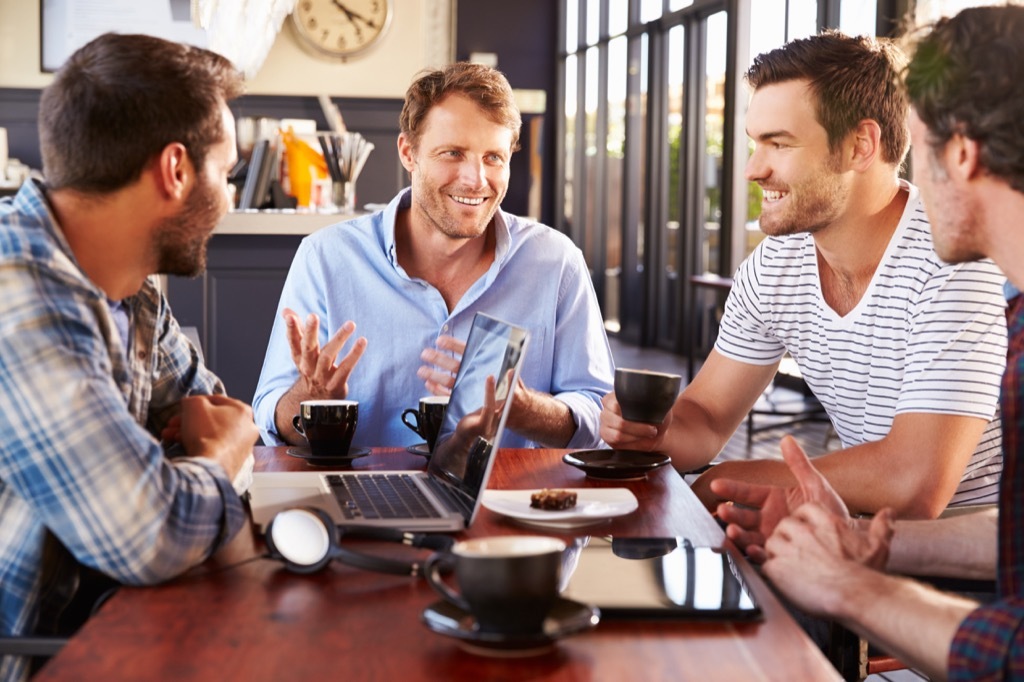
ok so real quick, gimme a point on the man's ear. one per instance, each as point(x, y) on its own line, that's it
point(174, 171)
point(406, 153)
point(961, 155)
point(865, 145)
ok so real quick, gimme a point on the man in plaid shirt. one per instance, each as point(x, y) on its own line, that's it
point(97, 380)
point(966, 86)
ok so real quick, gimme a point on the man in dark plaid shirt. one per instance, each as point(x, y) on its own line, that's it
point(966, 86)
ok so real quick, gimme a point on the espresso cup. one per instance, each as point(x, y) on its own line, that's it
point(428, 418)
point(327, 425)
point(645, 396)
point(509, 584)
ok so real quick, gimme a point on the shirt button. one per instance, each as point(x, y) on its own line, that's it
point(142, 355)
point(444, 328)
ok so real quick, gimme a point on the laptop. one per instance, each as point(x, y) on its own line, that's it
point(445, 497)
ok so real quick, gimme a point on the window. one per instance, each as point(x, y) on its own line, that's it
point(653, 143)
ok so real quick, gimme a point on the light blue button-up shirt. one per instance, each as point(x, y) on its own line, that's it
point(350, 271)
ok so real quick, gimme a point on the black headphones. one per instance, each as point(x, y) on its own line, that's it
point(306, 539)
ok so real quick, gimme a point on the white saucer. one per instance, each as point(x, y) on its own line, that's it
point(593, 505)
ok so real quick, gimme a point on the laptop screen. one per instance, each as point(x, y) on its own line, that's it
point(478, 407)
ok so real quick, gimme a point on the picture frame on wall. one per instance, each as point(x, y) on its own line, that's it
point(67, 25)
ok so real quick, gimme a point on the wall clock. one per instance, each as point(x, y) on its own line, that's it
point(340, 28)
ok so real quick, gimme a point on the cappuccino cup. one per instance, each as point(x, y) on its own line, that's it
point(327, 425)
point(427, 420)
point(509, 583)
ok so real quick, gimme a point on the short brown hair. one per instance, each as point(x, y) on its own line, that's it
point(852, 79)
point(967, 76)
point(120, 99)
point(486, 86)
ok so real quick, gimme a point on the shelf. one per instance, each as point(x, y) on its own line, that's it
point(284, 222)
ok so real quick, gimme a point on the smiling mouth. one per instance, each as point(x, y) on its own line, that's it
point(773, 195)
point(468, 201)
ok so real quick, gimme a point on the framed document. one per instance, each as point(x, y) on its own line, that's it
point(69, 24)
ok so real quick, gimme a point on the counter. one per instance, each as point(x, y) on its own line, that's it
point(279, 222)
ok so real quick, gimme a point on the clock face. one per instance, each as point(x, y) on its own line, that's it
point(340, 28)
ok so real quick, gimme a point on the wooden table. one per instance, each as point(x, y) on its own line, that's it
point(256, 621)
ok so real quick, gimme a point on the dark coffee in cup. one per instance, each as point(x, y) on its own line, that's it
point(428, 418)
point(327, 425)
point(509, 583)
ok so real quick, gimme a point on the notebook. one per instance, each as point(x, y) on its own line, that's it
point(446, 497)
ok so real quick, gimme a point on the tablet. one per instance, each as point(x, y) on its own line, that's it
point(656, 578)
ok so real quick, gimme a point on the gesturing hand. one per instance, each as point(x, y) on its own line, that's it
point(319, 375)
point(813, 554)
point(755, 510)
point(442, 365)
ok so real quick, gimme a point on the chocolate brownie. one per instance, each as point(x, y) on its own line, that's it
point(553, 500)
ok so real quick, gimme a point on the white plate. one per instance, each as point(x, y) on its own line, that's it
point(593, 505)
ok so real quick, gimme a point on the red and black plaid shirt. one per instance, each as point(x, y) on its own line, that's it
point(990, 642)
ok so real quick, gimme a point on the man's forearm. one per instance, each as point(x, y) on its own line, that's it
point(911, 621)
point(693, 438)
point(962, 546)
point(861, 475)
point(540, 417)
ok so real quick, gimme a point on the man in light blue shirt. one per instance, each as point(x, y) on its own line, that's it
point(413, 275)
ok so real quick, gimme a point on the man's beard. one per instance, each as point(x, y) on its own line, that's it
point(182, 239)
point(816, 203)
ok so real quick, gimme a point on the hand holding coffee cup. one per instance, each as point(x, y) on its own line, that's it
point(327, 425)
point(428, 418)
point(509, 583)
point(645, 396)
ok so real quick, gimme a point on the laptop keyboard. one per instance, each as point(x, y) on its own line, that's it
point(381, 496)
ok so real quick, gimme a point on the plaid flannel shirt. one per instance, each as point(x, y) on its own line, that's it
point(82, 409)
point(990, 642)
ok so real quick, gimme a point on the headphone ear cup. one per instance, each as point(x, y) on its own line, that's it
point(305, 539)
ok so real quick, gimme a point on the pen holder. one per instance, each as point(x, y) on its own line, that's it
point(343, 196)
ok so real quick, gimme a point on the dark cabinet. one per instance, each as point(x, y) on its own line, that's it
point(234, 302)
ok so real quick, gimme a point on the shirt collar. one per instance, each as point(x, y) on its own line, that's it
point(32, 200)
point(401, 202)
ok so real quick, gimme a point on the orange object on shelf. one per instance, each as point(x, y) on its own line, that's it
point(303, 164)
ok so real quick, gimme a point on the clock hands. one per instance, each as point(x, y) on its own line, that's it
point(354, 16)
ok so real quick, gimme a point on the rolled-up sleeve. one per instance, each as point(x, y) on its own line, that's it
point(583, 367)
point(76, 461)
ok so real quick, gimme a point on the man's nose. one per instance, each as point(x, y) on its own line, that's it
point(473, 173)
point(756, 168)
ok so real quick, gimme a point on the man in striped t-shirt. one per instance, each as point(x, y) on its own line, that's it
point(966, 84)
point(903, 350)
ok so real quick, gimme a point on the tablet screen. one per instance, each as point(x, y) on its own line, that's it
point(656, 577)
